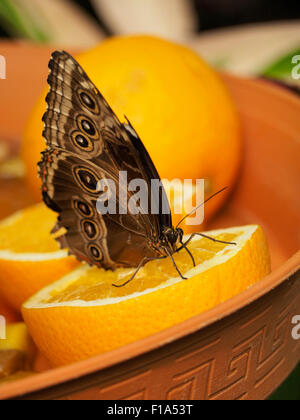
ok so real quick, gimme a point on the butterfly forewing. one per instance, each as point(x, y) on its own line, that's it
point(87, 144)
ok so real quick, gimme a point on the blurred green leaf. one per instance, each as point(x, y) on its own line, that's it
point(282, 68)
point(19, 23)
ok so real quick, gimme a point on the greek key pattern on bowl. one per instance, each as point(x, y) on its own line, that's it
point(246, 363)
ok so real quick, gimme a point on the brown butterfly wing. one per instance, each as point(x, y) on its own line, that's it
point(98, 239)
point(87, 143)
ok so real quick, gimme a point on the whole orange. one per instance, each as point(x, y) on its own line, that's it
point(177, 103)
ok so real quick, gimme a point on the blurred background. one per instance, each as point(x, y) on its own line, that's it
point(248, 37)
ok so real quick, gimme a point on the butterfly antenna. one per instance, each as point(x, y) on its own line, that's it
point(200, 205)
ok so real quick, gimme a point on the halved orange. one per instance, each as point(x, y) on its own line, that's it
point(30, 257)
point(83, 315)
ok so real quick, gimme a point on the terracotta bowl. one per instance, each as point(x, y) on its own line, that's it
point(242, 349)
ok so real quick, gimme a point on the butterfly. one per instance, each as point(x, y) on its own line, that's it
point(86, 144)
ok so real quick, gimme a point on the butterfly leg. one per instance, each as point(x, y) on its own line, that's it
point(174, 263)
point(214, 240)
point(184, 245)
point(189, 252)
point(141, 264)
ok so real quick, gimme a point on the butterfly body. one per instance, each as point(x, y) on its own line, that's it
point(87, 145)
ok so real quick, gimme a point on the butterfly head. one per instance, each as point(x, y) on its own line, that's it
point(171, 238)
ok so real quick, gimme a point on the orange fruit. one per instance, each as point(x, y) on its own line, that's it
point(177, 103)
point(17, 351)
point(83, 315)
point(18, 338)
point(30, 257)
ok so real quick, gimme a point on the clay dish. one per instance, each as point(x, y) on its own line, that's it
point(241, 349)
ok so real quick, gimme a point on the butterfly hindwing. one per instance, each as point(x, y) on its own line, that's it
point(101, 240)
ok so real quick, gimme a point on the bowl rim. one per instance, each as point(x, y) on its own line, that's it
point(83, 368)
